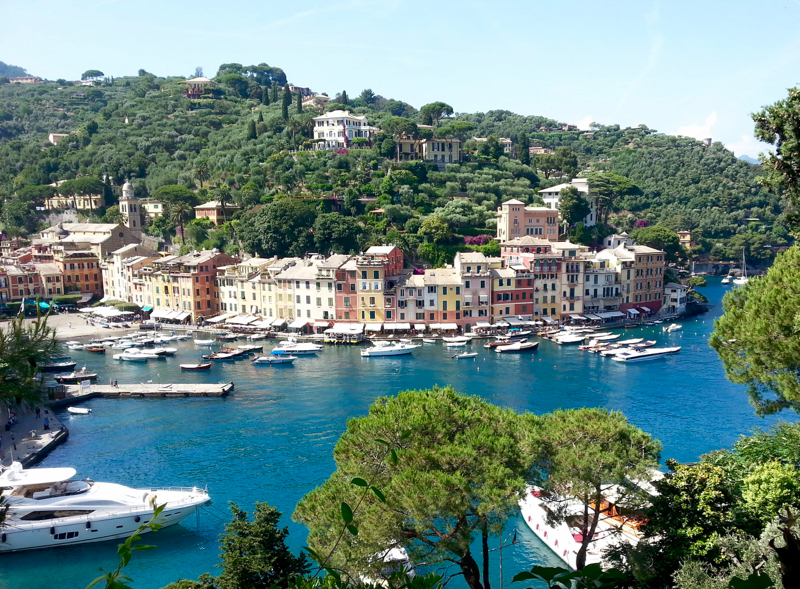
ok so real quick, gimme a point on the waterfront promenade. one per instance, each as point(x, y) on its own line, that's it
point(32, 441)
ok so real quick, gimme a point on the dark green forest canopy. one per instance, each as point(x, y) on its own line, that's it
point(145, 129)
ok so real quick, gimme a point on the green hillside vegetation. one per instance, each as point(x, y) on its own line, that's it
point(247, 142)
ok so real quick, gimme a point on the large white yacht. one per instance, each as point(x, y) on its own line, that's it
point(294, 348)
point(46, 509)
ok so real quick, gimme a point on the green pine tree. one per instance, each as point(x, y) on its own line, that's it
point(265, 95)
point(274, 94)
point(345, 99)
point(260, 117)
point(251, 129)
point(299, 103)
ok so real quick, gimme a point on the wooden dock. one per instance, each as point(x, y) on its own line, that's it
point(76, 394)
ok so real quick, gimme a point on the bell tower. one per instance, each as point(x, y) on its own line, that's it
point(129, 207)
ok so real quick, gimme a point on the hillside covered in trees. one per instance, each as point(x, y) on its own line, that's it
point(248, 141)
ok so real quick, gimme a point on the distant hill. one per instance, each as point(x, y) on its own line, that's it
point(11, 71)
point(748, 159)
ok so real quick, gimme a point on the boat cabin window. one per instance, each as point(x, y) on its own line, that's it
point(65, 536)
point(52, 514)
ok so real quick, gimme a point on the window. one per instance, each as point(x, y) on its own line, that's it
point(466, 285)
point(339, 287)
point(444, 305)
point(319, 302)
point(372, 314)
point(376, 274)
point(388, 314)
point(371, 301)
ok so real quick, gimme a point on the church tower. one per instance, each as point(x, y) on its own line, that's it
point(129, 207)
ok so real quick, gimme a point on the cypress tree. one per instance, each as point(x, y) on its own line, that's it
point(299, 103)
point(265, 95)
point(251, 129)
point(260, 117)
point(523, 149)
point(274, 94)
point(344, 98)
point(287, 100)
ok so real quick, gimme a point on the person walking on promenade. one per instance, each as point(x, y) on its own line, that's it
point(38, 411)
point(46, 423)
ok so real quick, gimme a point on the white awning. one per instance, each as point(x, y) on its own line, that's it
point(322, 323)
point(610, 315)
point(298, 323)
point(419, 327)
point(279, 322)
point(242, 319)
point(373, 327)
point(482, 324)
point(261, 324)
point(181, 315)
point(577, 317)
point(216, 319)
point(397, 326)
point(483, 298)
point(547, 319)
point(444, 326)
point(160, 314)
point(633, 312)
point(646, 308)
point(346, 328)
point(513, 320)
point(593, 317)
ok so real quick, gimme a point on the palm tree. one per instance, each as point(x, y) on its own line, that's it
point(223, 192)
point(201, 173)
point(180, 212)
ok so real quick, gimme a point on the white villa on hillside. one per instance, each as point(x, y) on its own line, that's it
point(338, 128)
point(553, 194)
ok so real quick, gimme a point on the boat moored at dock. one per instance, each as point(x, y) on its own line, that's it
point(397, 349)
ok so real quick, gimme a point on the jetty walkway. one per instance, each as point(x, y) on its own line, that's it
point(76, 394)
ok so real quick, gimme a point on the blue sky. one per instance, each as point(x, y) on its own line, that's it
point(694, 68)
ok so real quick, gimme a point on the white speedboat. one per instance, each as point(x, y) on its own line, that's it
point(671, 328)
point(648, 354)
point(204, 342)
point(604, 338)
point(569, 339)
point(458, 344)
point(726, 280)
point(75, 347)
point(136, 355)
point(46, 509)
point(389, 350)
point(256, 336)
point(250, 348)
point(630, 342)
point(123, 345)
point(79, 410)
point(517, 347)
point(296, 348)
point(465, 355)
point(277, 359)
point(427, 340)
point(457, 339)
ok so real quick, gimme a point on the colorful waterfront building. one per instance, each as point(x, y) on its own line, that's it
point(515, 219)
point(641, 277)
point(81, 272)
point(474, 268)
point(347, 291)
point(443, 298)
point(184, 287)
point(378, 271)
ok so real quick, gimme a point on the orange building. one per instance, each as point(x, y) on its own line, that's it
point(80, 272)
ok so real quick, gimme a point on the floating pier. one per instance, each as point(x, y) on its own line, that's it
point(77, 394)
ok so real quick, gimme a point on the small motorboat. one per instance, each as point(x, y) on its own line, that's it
point(726, 280)
point(427, 340)
point(458, 344)
point(249, 348)
point(643, 355)
point(73, 343)
point(256, 336)
point(279, 359)
point(630, 342)
point(406, 341)
point(671, 328)
point(568, 339)
point(58, 366)
point(456, 340)
point(465, 355)
point(75, 377)
point(75, 347)
point(164, 351)
point(517, 347)
point(200, 366)
point(503, 342)
point(79, 410)
point(227, 337)
point(204, 342)
point(646, 344)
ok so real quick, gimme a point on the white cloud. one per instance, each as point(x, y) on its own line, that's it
point(748, 145)
point(585, 123)
point(699, 131)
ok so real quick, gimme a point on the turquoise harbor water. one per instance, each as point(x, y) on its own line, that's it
point(272, 440)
